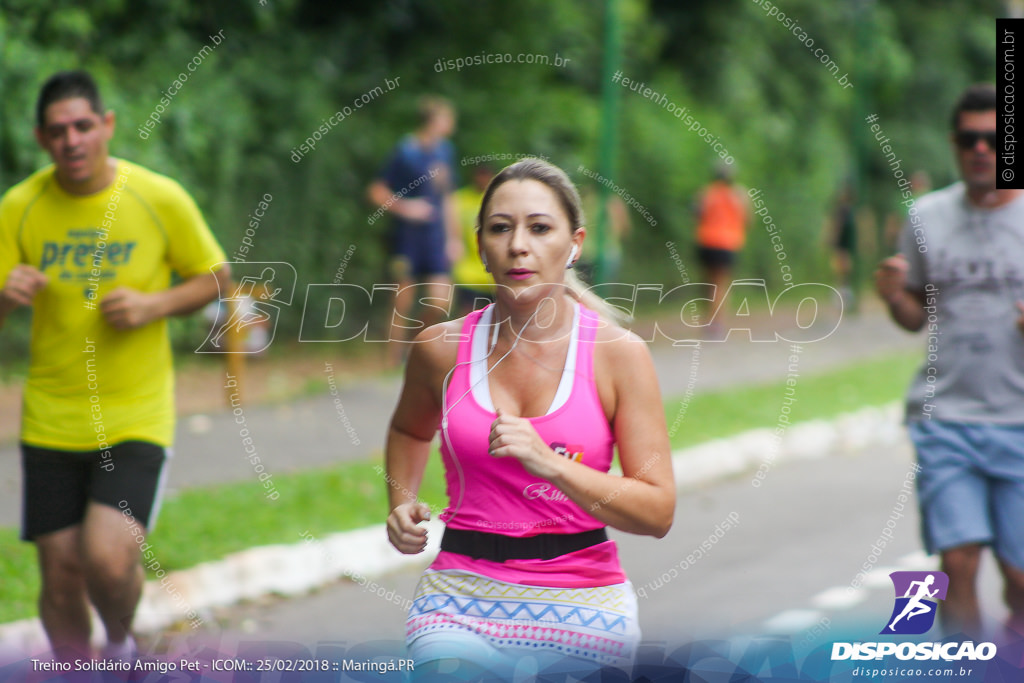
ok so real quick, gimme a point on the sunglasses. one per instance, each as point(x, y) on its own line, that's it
point(968, 139)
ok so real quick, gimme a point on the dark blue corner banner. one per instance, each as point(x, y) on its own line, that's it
point(765, 659)
point(1009, 134)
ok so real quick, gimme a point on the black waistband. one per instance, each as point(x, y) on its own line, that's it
point(481, 545)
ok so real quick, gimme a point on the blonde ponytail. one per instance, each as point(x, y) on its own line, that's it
point(605, 311)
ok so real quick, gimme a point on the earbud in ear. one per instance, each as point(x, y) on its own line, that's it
point(572, 255)
point(483, 259)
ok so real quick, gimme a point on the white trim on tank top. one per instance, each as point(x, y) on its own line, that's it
point(478, 363)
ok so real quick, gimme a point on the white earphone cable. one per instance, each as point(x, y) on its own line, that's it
point(444, 395)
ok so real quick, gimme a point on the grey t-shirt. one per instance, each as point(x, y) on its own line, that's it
point(969, 262)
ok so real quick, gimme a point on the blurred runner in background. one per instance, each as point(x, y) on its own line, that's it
point(842, 240)
point(722, 215)
point(472, 280)
point(415, 186)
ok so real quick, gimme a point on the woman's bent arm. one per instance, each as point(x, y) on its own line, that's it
point(642, 500)
point(409, 436)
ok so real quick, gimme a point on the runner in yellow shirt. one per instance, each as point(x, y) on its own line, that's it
point(90, 243)
point(472, 281)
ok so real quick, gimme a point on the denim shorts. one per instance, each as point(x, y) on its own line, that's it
point(971, 486)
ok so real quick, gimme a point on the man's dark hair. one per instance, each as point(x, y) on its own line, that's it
point(65, 85)
point(978, 97)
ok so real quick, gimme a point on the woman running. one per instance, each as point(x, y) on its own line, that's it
point(531, 394)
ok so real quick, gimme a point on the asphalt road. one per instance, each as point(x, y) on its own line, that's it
point(796, 544)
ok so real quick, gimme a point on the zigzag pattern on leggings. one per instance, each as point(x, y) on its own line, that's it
point(594, 623)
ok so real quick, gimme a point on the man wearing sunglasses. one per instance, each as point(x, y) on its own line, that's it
point(960, 277)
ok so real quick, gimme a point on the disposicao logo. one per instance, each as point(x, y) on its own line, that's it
point(917, 596)
point(916, 602)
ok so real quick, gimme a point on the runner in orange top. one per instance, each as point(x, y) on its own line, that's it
point(721, 232)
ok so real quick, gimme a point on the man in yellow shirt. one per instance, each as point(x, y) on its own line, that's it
point(90, 242)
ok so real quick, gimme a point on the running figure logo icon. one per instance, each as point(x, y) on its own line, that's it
point(252, 307)
point(914, 612)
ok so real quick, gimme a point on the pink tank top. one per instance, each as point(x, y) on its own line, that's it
point(498, 495)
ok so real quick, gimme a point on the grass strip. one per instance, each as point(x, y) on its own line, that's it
point(873, 382)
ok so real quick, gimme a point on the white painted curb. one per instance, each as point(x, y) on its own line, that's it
point(360, 555)
point(764, 448)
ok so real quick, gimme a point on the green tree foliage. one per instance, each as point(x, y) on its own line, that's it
point(285, 66)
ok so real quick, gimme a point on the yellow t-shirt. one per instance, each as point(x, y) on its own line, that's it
point(470, 269)
point(89, 384)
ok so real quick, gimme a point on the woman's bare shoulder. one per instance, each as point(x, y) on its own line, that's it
point(437, 346)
